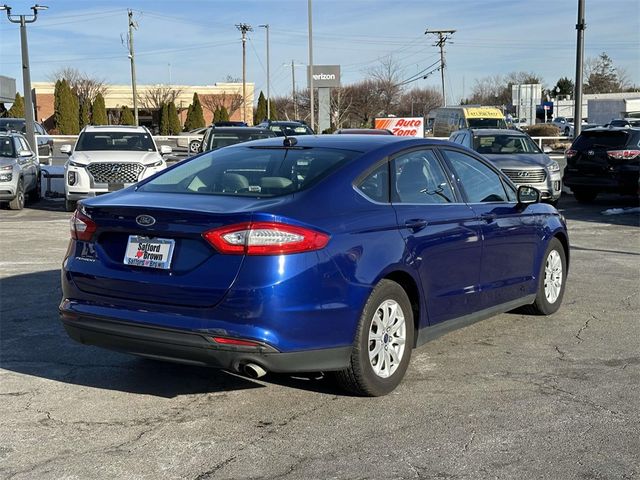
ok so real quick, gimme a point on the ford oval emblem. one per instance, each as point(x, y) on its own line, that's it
point(145, 220)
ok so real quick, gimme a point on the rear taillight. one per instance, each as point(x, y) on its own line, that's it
point(265, 238)
point(570, 153)
point(623, 154)
point(82, 227)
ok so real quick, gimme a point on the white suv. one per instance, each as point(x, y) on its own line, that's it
point(107, 158)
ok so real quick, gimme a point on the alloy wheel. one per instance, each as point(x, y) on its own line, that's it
point(387, 338)
point(553, 276)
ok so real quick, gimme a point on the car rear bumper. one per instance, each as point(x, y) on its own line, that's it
point(197, 348)
point(622, 181)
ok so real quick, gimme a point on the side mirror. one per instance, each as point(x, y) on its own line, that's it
point(25, 153)
point(547, 149)
point(66, 149)
point(527, 195)
point(164, 149)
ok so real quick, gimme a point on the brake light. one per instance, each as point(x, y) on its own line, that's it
point(623, 154)
point(570, 153)
point(82, 227)
point(265, 238)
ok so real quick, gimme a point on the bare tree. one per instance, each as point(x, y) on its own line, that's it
point(231, 101)
point(340, 106)
point(366, 103)
point(158, 95)
point(386, 78)
point(419, 102)
point(83, 85)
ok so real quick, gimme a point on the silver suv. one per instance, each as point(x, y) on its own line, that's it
point(19, 171)
point(518, 156)
point(109, 158)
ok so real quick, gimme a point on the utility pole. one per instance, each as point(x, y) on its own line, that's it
point(577, 98)
point(443, 36)
point(134, 87)
point(294, 94)
point(266, 26)
point(29, 117)
point(244, 28)
point(311, 92)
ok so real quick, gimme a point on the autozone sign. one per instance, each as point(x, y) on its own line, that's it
point(402, 126)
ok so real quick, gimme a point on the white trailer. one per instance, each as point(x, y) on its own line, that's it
point(602, 111)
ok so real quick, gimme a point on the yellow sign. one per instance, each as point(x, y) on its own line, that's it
point(483, 112)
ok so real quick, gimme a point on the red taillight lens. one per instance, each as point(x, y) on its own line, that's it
point(570, 153)
point(235, 341)
point(265, 238)
point(82, 227)
point(623, 154)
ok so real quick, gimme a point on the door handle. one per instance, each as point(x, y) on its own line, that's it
point(416, 224)
point(488, 217)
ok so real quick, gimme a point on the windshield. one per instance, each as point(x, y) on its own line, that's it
point(504, 144)
point(486, 123)
point(250, 171)
point(12, 124)
point(219, 140)
point(6, 147)
point(127, 141)
point(588, 140)
point(289, 130)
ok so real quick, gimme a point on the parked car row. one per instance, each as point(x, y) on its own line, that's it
point(45, 142)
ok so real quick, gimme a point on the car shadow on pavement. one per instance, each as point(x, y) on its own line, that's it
point(33, 342)
point(606, 208)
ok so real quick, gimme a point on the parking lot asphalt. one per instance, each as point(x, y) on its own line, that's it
point(514, 396)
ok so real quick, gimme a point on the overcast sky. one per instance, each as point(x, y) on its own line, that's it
point(194, 42)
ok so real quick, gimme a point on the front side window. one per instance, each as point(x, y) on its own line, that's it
point(127, 141)
point(251, 171)
point(6, 147)
point(480, 182)
point(419, 178)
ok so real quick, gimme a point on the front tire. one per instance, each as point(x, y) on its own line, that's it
point(18, 201)
point(194, 146)
point(70, 205)
point(584, 195)
point(552, 280)
point(383, 343)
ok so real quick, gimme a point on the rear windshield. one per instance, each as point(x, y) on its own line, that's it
point(10, 124)
point(504, 144)
point(251, 171)
point(290, 130)
point(486, 123)
point(128, 141)
point(589, 140)
point(6, 147)
point(219, 140)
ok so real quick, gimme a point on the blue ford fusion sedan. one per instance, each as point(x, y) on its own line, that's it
point(336, 253)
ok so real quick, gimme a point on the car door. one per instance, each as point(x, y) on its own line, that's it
point(441, 233)
point(27, 164)
point(510, 232)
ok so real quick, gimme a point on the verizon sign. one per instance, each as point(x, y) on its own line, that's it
point(325, 76)
point(402, 126)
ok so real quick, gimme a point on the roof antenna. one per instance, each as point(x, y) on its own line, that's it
point(288, 141)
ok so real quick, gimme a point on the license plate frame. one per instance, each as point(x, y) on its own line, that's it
point(149, 252)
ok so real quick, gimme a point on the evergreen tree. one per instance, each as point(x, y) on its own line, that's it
point(66, 114)
point(224, 114)
point(126, 116)
point(195, 115)
point(564, 87)
point(17, 109)
point(216, 116)
point(164, 119)
point(174, 121)
point(603, 76)
point(85, 114)
point(99, 111)
point(261, 110)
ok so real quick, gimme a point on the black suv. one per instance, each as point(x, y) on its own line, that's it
point(603, 160)
point(286, 128)
point(218, 137)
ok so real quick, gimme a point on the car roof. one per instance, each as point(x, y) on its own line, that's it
point(114, 128)
point(360, 143)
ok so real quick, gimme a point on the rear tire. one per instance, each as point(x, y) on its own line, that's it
point(383, 343)
point(584, 195)
point(18, 201)
point(36, 194)
point(194, 146)
point(551, 281)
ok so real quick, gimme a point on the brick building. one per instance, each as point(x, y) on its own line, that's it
point(211, 96)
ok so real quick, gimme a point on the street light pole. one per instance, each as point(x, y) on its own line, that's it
point(134, 86)
point(577, 99)
point(311, 92)
point(244, 28)
point(29, 117)
point(266, 27)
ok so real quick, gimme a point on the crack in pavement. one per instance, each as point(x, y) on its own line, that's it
point(560, 352)
point(468, 444)
point(583, 328)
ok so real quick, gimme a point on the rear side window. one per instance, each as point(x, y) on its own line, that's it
point(375, 186)
point(251, 171)
point(593, 140)
point(480, 182)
